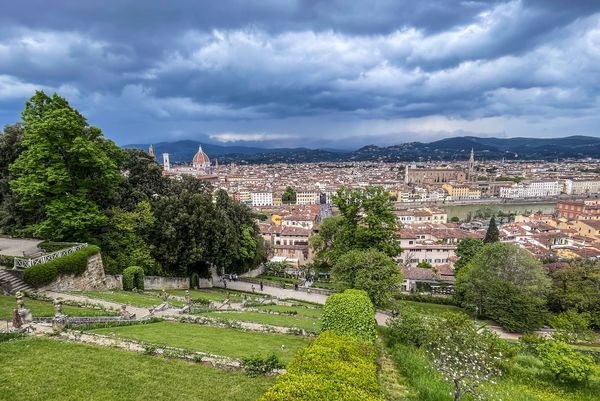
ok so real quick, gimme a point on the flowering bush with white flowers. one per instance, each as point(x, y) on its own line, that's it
point(467, 357)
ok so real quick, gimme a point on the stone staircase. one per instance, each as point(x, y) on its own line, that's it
point(11, 282)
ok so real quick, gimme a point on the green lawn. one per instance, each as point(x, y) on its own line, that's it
point(219, 341)
point(44, 309)
point(279, 280)
point(129, 298)
point(35, 369)
point(301, 322)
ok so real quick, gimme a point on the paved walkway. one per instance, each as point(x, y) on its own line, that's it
point(139, 312)
point(287, 293)
point(18, 246)
point(281, 293)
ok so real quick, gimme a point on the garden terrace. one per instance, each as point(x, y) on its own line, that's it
point(214, 340)
point(293, 321)
point(45, 308)
point(36, 369)
point(129, 298)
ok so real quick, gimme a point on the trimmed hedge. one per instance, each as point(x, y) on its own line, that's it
point(133, 277)
point(74, 263)
point(330, 369)
point(350, 314)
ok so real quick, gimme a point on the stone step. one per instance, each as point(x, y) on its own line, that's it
point(12, 283)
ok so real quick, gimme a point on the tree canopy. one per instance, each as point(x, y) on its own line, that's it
point(465, 250)
point(505, 283)
point(366, 221)
point(289, 196)
point(67, 172)
point(371, 271)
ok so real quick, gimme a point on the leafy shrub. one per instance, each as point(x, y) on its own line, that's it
point(563, 362)
point(330, 369)
point(194, 280)
point(133, 277)
point(74, 263)
point(7, 260)
point(350, 314)
point(258, 365)
point(572, 327)
point(410, 327)
point(10, 336)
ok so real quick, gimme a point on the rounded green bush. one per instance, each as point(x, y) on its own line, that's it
point(194, 280)
point(350, 314)
point(133, 277)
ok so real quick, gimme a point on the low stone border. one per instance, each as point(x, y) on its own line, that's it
point(88, 305)
point(240, 325)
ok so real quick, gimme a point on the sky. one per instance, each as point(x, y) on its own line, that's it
point(319, 74)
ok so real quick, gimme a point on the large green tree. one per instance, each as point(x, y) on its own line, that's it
point(67, 172)
point(505, 283)
point(577, 287)
point(11, 146)
point(465, 250)
point(125, 240)
point(369, 270)
point(143, 179)
point(366, 221)
point(289, 196)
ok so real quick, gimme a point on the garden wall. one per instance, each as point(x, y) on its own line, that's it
point(167, 283)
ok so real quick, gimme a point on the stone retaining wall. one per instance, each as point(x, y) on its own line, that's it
point(93, 278)
point(167, 283)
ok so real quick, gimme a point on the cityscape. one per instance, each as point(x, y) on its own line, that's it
point(379, 200)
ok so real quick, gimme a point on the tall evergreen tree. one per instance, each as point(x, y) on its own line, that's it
point(492, 234)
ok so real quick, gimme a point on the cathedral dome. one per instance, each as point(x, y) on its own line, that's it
point(200, 159)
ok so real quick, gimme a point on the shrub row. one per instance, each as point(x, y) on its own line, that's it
point(74, 263)
point(350, 314)
point(332, 368)
point(133, 277)
point(441, 300)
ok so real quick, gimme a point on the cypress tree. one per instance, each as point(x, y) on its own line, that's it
point(492, 234)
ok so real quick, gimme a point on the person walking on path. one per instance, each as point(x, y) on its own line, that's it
point(261, 286)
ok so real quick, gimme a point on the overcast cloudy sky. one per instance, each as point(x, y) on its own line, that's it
point(308, 73)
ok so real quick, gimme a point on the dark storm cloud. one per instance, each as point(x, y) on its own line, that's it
point(153, 70)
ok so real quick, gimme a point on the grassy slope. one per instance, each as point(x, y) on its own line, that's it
point(42, 369)
point(129, 298)
point(522, 383)
point(429, 308)
point(301, 322)
point(43, 309)
point(219, 341)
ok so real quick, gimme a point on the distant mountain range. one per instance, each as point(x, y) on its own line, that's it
point(456, 148)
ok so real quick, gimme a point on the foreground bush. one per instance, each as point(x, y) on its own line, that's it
point(74, 263)
point(133, 277)
point(350, 314)
point(330, 369)
point(564, 363)
point(258, 365)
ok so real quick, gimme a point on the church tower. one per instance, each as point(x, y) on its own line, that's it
point(151, 151)
point(471, 173)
